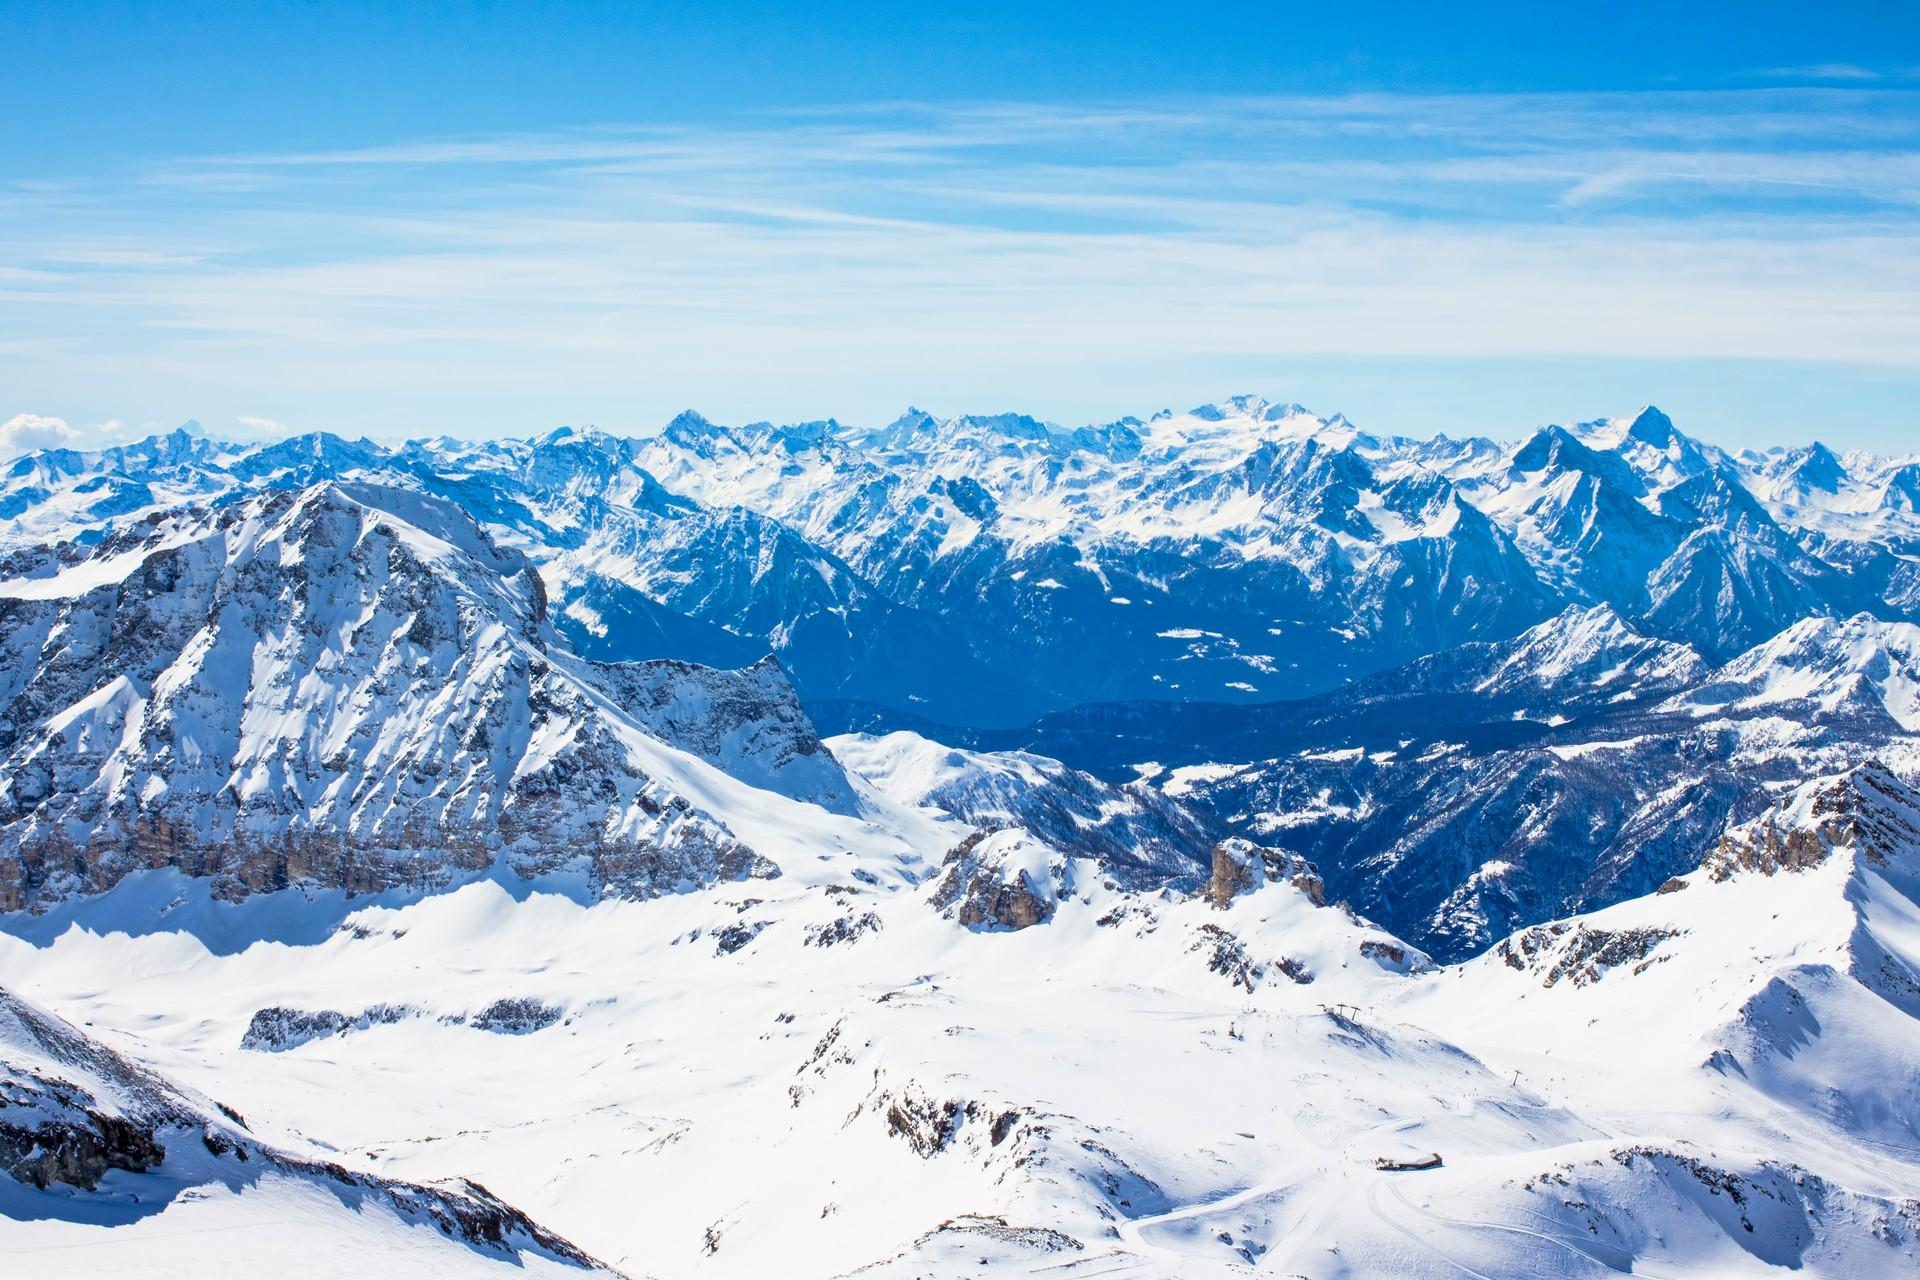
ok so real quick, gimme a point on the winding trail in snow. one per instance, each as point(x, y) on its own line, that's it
point(1328, 1176)
point(1132, 1231)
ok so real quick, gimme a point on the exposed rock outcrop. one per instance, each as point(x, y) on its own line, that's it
point(277, 1029)
point(1000, 879)
point(516, 1016)
point(1580, 953)
point(1866, 809)
point(1241, 866)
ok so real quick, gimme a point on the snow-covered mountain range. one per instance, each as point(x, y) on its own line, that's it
point(963, 846)
point(966, 569)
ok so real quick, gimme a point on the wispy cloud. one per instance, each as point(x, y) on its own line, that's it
point(491, 282)
point(1818, 71)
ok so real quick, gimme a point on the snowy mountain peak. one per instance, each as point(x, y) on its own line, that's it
point(792, 438)
point(303, 459)
point(1248, 406)
point(693, 432)
point(1817, 467)
point(911, 420)
point(1902, 492)
point(1591, 650)
point(1012, 426)
point(1652, 427)
point(1554, 448)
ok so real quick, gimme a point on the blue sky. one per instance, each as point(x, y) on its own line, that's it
point(487, 219)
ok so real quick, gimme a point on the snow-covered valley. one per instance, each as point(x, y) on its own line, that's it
point(1720, 1079)
point(724, 853)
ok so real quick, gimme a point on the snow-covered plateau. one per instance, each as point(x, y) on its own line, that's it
point(1222, 844)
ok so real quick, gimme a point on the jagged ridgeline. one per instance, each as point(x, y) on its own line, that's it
point(1480, 685)
point(982, 571)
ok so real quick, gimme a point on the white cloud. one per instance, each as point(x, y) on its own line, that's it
point(264, 426)
point(24, 432)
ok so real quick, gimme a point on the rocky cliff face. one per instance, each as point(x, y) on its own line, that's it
point(353, 688)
